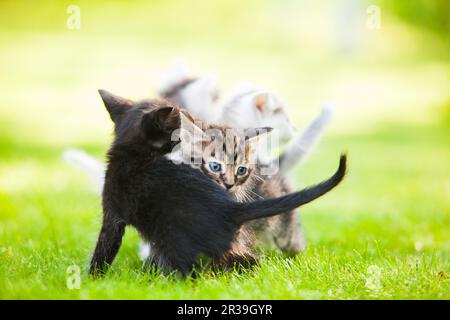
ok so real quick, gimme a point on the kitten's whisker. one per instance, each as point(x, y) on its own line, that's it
point(244, 198)
point(242, 195)
point(259, 177)
point(251, 191)
point(247, 196)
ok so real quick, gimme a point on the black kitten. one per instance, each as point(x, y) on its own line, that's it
point(182, 213)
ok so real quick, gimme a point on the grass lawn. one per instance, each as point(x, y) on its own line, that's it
point(383, 234)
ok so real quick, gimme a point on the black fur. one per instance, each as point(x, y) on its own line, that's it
point(182, 213)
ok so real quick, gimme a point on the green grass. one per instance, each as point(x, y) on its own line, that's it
point(383, 234)
point(392, 212)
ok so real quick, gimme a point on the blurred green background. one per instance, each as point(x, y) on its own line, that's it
point(390, 85)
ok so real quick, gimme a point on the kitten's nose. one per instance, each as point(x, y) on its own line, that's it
point(228, 186)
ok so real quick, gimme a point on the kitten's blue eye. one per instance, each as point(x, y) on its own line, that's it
point(214, 166)
point(241, 171)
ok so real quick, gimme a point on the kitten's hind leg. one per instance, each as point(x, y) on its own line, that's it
point(239, 261)
point(288, 235)
point(108, 244)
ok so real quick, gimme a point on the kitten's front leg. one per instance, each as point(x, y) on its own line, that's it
point(108, 244)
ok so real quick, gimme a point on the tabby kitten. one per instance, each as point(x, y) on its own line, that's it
point(243, 180)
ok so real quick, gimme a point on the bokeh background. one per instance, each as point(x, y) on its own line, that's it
point(390, 85)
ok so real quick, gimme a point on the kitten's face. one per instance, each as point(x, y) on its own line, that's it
point(234, 176)
point(260, 109)
point(229, 160)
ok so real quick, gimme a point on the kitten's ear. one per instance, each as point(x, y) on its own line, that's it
point(165, 118)
point(260, 101)
point(254, 134)
point(159, 124)
point(115, 105)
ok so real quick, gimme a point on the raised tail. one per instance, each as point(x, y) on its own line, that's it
point(302, 145)
point(174, 76)
point(270, 207)
point(91, 166)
